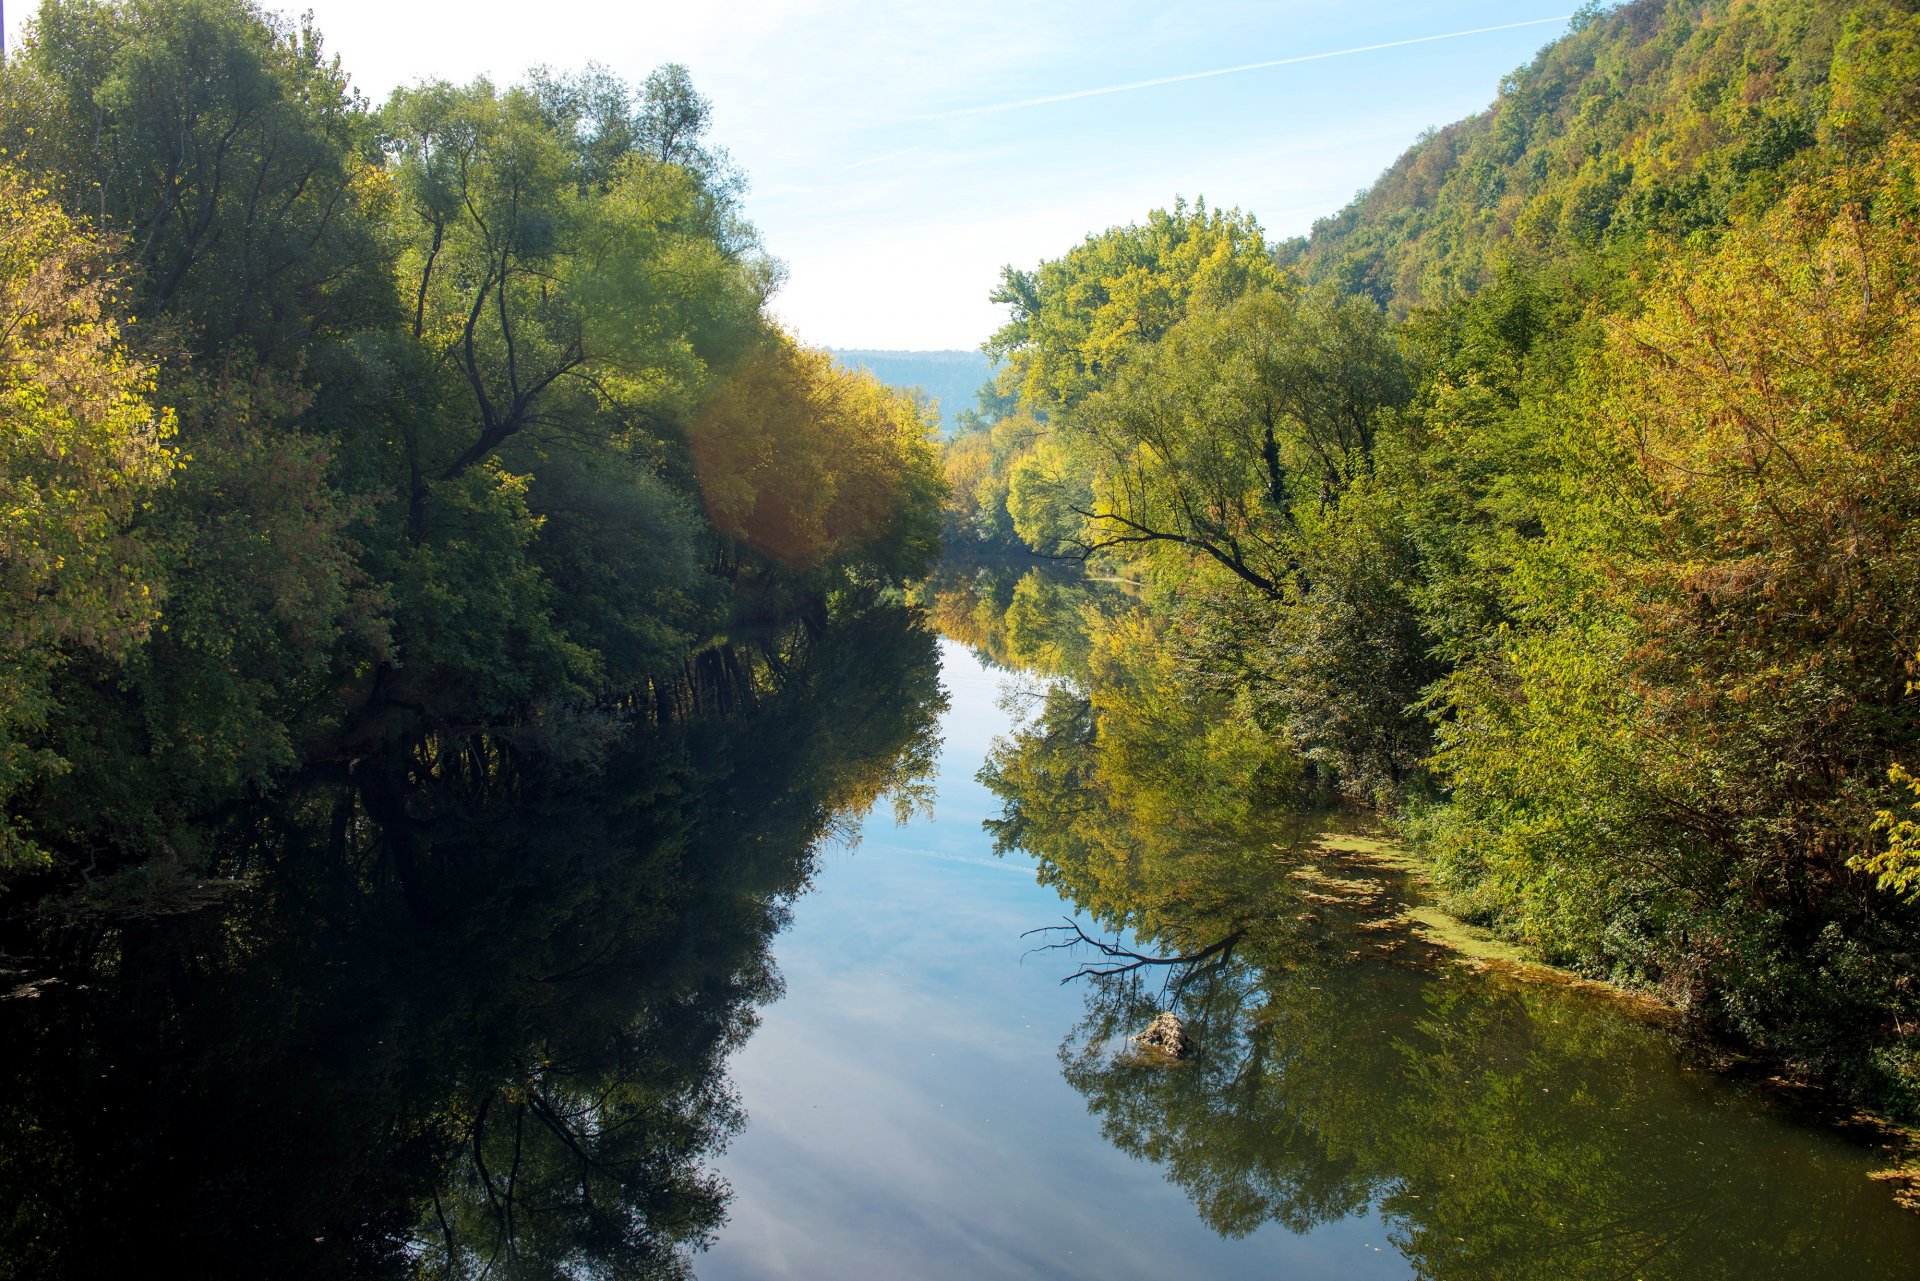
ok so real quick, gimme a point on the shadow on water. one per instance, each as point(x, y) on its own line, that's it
point(1345, 1063)
point(484, 1035)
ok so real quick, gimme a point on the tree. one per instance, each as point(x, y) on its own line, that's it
point(555, 266)
point(1076, 319)
point(575, 292)
point(1238, 429)
point(805, 465)
point(1672, 761)
point(83, 450)
point(226, 153)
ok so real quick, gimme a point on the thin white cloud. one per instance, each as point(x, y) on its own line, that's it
point(1130, 86)
point(891, 155)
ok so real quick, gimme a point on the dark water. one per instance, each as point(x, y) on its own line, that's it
point(583, 1022)
point(485, 1033)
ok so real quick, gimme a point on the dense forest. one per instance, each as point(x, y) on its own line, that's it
point(379, 442)
point(1556, 499)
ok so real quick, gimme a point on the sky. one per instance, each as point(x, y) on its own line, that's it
point(900, 153)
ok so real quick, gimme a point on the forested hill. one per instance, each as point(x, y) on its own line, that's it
point(1651, 121)
point(950, 378)
point(1557, 498)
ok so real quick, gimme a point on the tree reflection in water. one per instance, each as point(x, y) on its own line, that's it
point(1501, 1128)
point(484, 1035)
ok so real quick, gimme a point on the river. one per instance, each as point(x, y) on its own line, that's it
point(930, 1099)
point(704, 1005)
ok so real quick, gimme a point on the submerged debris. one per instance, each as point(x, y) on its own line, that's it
point(1165, 1035)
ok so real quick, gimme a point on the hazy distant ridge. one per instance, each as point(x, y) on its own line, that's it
point(952, 378)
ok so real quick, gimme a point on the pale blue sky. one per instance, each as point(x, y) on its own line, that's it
point(894, 203)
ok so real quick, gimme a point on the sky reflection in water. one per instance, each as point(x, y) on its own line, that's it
point(908, 1113)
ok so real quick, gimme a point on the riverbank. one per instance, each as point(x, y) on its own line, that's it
point(938, 1095)
point(1355, 867)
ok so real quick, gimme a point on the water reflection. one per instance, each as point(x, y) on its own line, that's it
point(483, 1035)
point(1032, 618)
point(1345, 1066)
point(488, 1033)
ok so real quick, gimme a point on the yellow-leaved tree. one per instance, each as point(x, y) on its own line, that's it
point(805, 465)
point(81, 446)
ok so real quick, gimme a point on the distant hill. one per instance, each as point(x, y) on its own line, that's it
point(950, 377)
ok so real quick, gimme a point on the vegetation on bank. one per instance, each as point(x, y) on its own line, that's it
point(371, 438)
point(1556, 496)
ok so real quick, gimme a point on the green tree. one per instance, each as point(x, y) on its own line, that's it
point(1238, 426)
point(1077, 318)
point(554, 276)
point(226, 153)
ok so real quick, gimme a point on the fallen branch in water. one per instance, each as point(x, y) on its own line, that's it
point(1132, 960)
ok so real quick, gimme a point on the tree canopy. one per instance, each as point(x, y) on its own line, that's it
point(338, 429)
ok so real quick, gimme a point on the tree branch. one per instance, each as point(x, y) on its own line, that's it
point(1134, 960)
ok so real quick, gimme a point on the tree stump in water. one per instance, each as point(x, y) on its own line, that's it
point(1165, 1035)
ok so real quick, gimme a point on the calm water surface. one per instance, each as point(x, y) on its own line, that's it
point(504, 1020)
point(928, 1099)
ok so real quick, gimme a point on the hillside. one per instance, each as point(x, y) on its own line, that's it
point(1656, 120)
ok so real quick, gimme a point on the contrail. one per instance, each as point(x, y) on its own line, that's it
point(876, 160)
point(1231, 71)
